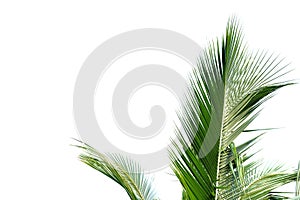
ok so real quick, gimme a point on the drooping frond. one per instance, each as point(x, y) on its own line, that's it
point(122, 170)
point(260, 183)
point(226, 90)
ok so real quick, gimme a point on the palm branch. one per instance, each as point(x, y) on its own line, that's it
point(227, 89)
point(127, 173)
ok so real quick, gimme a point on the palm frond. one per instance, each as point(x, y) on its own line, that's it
point(227, 88)
point(122, 170)
point(260, 183)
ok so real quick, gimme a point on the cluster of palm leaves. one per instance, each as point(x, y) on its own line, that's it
point(225, 94)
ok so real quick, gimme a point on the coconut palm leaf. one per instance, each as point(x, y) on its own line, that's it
point(227, 88)
point(122, 170)
point(252, 181)
point(259, 183)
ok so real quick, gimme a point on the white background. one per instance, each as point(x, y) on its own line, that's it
point(42, 47)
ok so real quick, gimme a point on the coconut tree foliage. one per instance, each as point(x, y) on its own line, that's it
point(225, 94)
point(227, 89)
point(123, 171)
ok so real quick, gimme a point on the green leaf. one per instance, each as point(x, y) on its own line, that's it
point(123, 171)
point(227, 89)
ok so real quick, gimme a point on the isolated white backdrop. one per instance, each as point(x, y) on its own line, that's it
point(42, 47)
